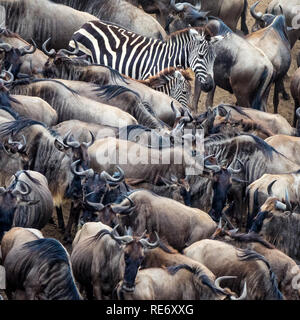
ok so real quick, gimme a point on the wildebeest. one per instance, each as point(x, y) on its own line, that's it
point(30, 64)
point(277, 7)
point(279, 225)
point(180, 282)
point(178, 224)
point(286, 145)
point(122, 13)
point(37, 204)
point(224, 259)
point(101, 258)
point(273, 41)
point(285, 268)
point(248, 79)
point(69, 105)
point(229, 11)
point(295, 91)
point(37, 268)
point(41, 19)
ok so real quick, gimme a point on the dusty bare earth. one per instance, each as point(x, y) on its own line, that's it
point(221, 96)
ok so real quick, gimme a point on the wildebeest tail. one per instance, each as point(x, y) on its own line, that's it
point(264, 82)
point(247, 255)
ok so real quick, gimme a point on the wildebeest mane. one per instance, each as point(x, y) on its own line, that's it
point(49, 252)
point(32, 179)
point(111, 91)
point(101, 234)
point(11, 111)
point(247, 254)
point(14, 127)
point(251, 237)
point(197, 272)
point(238, 109)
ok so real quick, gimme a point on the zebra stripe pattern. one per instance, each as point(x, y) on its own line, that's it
point(139, 57)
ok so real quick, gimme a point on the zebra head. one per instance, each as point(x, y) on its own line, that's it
point(202, 56)
point(181, 88)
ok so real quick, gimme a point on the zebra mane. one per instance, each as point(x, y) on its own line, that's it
point(175, 34)
point(165, 73)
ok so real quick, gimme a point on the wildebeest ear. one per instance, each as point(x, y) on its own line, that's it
point(60, 146)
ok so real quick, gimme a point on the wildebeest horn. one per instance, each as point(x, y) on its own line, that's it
point(5, 46)
point(234, 171)
point(20, 146)
point(26, 49)
point(146, 244)
point(84, 173)
point(177, 7)
point(96, 206)
point(269, 189)
point(123, 209)
point(74, 52)
point(243, 295)
point(280, 205)
point(287, 201)
point(88, 144)
point(50, 53)
point(281, 10)
point(213, 167)
point(17, 190)
point(219, 279)
point(125, 239)
point(7, 72)
point(68, 142)
point(298, 113)
point(256, 15)
point(106, 176)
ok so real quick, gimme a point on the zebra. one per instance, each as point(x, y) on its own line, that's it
point(139, 57)
point(175, 82)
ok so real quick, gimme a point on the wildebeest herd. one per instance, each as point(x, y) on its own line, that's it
point(98, 117)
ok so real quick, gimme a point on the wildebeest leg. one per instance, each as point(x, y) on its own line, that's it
point(285, 95)
point(60, 218)
point(74, 214)
point(276, 97)
point(197, 93)
point(210, 98)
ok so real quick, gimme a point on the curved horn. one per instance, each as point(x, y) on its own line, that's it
point(50, 53)
point(234, 171)
point(219, 279)
point(26, 49)
point(280, 205)
point(17, 190)
point(123, 209)
point(178, 7)
point(11, 76)
point(95, 206)
point(146, 244)
point(287, 201)
point(74, 52)
point(88, 144)
point(124, 239)
point(256, 15)
point(269, 189)
point(281, 10)
point(68, 142)
point(243, 296)
point(107, 177)
point(85, 173)
point(5, 46)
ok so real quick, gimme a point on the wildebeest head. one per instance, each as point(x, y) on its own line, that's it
point(183, 15)
point(271, 208)
point(222, 182)
point(133, 254)
point(75, 149)
point(13, 55)
point(60, 60)
point(261, 20)
point(10, 199)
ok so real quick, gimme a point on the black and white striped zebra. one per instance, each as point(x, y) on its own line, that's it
point(139, 57)
point(174, 82)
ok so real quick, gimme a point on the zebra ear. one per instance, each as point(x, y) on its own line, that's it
point(158, 82)
point(193, 32)
point(215, 39)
